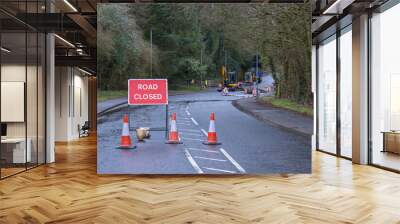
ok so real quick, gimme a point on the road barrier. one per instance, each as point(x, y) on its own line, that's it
point(173, 136)
point(212, 134)
point(126, 141)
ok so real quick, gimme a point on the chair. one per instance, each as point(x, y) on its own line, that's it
point(84, 130)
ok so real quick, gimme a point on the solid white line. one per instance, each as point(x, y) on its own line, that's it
point(191, 160)
point(214, 169)
point(194, 139)
point(194, 121)
point(203, 150)
point(219, 160)
point(204, 132)
point(236, 164)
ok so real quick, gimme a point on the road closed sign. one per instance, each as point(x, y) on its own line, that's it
point(147, 92)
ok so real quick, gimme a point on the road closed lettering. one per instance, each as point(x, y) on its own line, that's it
point(147, 92)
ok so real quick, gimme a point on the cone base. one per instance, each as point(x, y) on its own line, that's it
point(127, 147)
point(212, 143)
point(173, 142)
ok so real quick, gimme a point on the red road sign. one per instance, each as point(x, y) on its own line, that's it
point(147, 92)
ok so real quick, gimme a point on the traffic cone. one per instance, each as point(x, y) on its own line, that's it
point(212, 134)
point(173, 135)
point(126, 141)
point(254, 92)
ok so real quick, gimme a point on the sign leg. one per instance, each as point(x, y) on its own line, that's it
point(166, 121)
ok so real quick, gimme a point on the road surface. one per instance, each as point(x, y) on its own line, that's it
point(248, 145)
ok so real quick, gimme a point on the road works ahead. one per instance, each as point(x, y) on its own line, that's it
point(248, 145)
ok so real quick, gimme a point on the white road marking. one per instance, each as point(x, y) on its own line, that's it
point(191, 160)
point(190, 130)
point(183, 120)
point(186, 124)
point(236, 164)
point(207, 158)
point(203, 150)
point(214, 169)
point(190, 133)
point(194, 139)
point(204, 132)
point(187, 112)
point(194, 121)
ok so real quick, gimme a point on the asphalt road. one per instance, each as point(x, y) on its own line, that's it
point(248, 145)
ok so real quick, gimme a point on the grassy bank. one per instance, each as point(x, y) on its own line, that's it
point(185, 88)
point(111, 94)
point(289, 105)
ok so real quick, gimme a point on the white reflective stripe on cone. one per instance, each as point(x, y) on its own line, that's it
point(125, 130)
point(173, 126)
point(212, 126)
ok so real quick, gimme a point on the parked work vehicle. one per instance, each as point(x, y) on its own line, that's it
point(228, 80)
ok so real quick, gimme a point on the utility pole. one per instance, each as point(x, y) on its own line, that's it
point(257, 76)
point(201, 64)
point(151, 52)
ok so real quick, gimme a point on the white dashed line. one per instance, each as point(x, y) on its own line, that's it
point(207, 158)
point(187, 112)
point(192, 162)
point(220, 170)
point(203, 150)
point(193, 139)
point(194, 121)
point(185, 124)
point(189, 130)
point(193, 134)
point(236, 164)
point(204, 132)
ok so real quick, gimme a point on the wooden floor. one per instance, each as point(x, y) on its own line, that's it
point(70, 191)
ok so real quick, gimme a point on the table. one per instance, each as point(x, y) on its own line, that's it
point(391, 141)
point(18, 150)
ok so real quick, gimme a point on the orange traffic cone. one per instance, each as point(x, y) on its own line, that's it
point(126, 141)
point(212, 134)
point(173, 135)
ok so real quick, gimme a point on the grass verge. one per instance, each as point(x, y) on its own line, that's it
point(184, 88)
point(104, 95)
point(289, 105)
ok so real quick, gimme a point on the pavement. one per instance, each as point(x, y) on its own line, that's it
point(107, 104)
point(248, 145)
point(283, 118)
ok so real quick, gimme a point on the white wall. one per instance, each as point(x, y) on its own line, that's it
point(71, 102)
point(385, 77)
point(33, 126)
point(327, 95)
point(314, 90)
